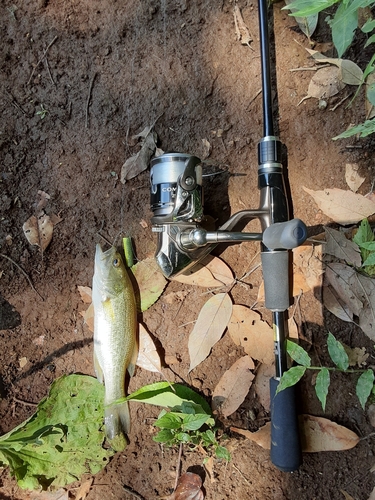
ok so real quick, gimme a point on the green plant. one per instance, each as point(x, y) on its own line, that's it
point(42, 112)
point(343, 24)
point(186, 419)
point(365, 239)
point(339, 356)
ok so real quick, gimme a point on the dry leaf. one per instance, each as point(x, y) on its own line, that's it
point(372, 495)
point(342, 248)
point(150, 281)
point(349, 72)
point(209, 327)
point(189, 487)
point(262, 437)
point(321, 434)
point(306, 24)
point(84, 489)
point(23, 362)
point(242, 31)
point(340, 276)
point(219, 269)
point(292, 329)
point(336, 306)
point(59, 494)
point(88, 317)
point(85, 293)
point(173, 297)
point(262, 384)
point(346, 495)
point(209, 467)
point(198, 275)
point(325, 83)
point(140, 162)
point(317, 434)
point(352, 177)
point(206, 149)
point(42, 202)
point(344, 207)
point(148, 356)
point(233, 387)
point(38, 230)
point(247, 329)
point(308, 260)
point(356, 355)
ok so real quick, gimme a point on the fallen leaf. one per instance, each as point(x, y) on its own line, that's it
point(350, 73)
point(344, 207)
point(342, 248)
point(262, 384)
point(85, 293)
point(321, 434)
point(209, 327)
point(346, 495)
point(198, 275)
point(88, 317)
point(84, 489)
point(148, 356)
point(352, 177)
point(247, 329)
point(189, 487)
point(140, 161)
point(340, 276)
point(336, 306)
point(317, 434)
point(23, 362)
point(206, 149)
point(209, 467)
point(242, 31)
point(292, 329)
point(42, 202)
point(219, 269)
point(307, 259)
point(59, 494)
point(262, 437)
point(38, 230)
point(356, 355)
point(233, 387)
point(325, 83)
point(150, 281)
point(174, 297)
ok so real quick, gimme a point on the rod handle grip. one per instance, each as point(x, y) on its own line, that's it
point(286, 452)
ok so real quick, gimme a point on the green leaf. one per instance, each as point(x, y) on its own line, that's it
point(297, 353)
point(363, 129)
point(364, 233)
point(368, 245)
point(222, 452)
point(364, 386)
point(183, 437)
point(194, 422)
point(164, 436)
point(337, 352)
point(368, 26)
point(343, 25)
point(321, 386)
point(305, 8)
point(63, 439)
point(169, 395)
point(169, 421)
point(290, 377)
point(370, 40)
point(151, 282)
point(209, 437)
point(370, 261)
point(370, 93)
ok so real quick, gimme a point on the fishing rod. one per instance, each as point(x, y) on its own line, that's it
point(177, 205)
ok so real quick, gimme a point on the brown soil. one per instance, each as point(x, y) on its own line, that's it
point(113, 68)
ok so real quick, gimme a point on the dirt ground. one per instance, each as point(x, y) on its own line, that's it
point(111, 69)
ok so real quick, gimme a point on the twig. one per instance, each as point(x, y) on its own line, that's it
point(26, 403)
point(178, 467)
point(88, 100)
point(41, 59)
point(242, 474)
point(49, 72)
point(253, 99)
point(132, 492)
point(15, 103)
point(309, 68)
point(23, 272)
point(340, 102)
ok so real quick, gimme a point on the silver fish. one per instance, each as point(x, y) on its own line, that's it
point(115, 346)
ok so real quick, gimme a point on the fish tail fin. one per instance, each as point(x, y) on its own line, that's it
point(117, 424)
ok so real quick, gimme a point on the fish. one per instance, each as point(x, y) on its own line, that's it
point(115, 344)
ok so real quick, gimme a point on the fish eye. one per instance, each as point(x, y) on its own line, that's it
point(116, 262)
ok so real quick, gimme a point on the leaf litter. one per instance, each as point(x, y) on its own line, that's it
point(317, 434)
point(139, 162)
point(233, 387)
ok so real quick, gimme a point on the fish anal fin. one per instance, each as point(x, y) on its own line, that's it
point(133, 360)
point(98, 369)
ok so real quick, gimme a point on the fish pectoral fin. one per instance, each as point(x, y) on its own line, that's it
point(98, 369)
point(133, 360)
point(117, 424)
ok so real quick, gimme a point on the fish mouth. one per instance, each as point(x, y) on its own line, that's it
point(103, 258)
